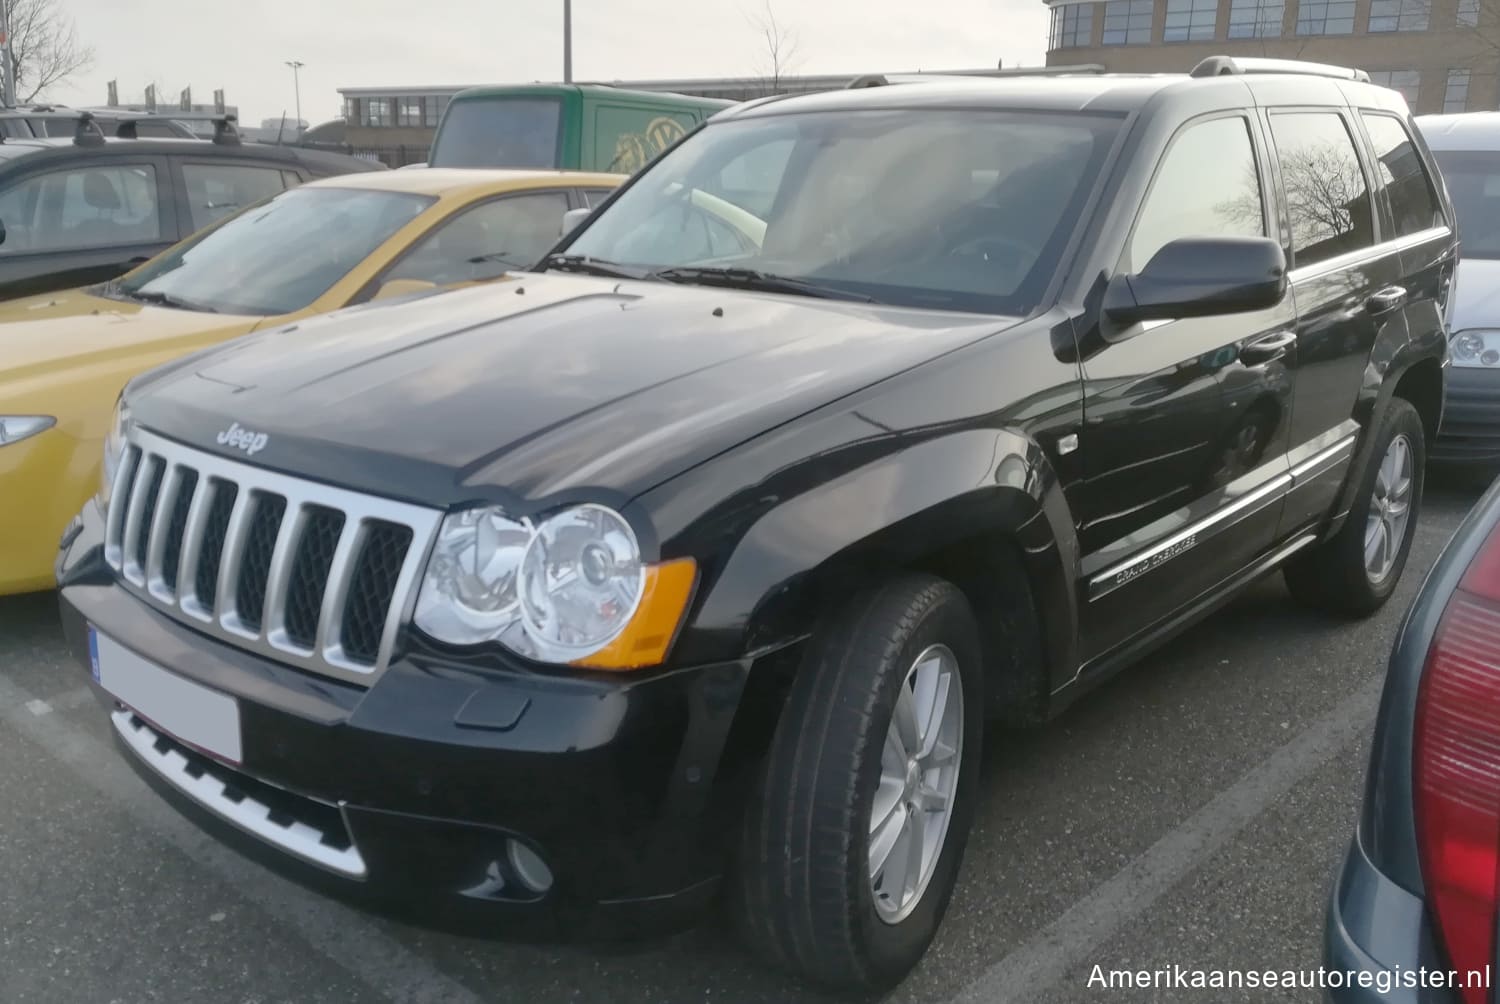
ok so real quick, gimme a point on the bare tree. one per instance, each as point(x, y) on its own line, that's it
point(44, 43)
point(780, 53)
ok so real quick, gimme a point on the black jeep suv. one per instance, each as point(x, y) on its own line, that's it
point(696, 561)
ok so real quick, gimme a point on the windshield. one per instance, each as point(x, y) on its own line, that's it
point(499, 132)
point(280, 256)
point(954, 210)
point(1474, 183)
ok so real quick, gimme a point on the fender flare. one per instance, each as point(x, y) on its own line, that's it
point(1405, 358)
point(899, 510)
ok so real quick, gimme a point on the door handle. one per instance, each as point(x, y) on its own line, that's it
point(1267, 347)
point(1387, 300)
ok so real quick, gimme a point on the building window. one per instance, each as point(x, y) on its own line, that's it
point(1191, 21)
point(1456, 97)
point(1398, 15)
point(1325, 17)
point(1408, 82)
point(1468, 13)
point(1128, 22)
point(433, 110)
point(1072, 25)
point(377, 112)
point(1256, 18)
point(351, 109)
point(408, 111)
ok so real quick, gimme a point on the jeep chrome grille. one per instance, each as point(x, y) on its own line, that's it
point(310, 575)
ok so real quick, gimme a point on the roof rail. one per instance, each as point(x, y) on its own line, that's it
point(1232, 66)
point(226, 133)
point(87, 132)
point(883, 79)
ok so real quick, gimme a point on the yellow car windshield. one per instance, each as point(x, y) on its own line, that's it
point(277, 257)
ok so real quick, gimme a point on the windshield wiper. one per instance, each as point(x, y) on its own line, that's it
point(765, 282)
point(165, 300)
point(588, 266)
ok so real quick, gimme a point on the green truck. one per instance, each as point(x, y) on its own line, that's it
point(580, 127)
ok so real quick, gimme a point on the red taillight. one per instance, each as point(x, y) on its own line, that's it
point(1456, 769)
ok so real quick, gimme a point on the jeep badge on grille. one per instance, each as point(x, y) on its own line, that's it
point(243, 439)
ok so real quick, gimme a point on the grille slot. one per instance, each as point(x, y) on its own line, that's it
point(304, 597)
point(313, 576)
point(171, 559)
point(375, 572)
point(206, 577)
point(255, 560)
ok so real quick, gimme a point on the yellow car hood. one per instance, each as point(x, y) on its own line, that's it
point(77, 332)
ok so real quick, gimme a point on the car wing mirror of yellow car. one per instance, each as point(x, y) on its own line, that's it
point(403, 287)
point(573, 218)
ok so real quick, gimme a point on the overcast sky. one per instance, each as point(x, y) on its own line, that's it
point(241, 45)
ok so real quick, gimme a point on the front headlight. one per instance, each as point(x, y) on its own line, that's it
point(1478, 348)
point(114, 450)
point(14, 428)
point(572, 588)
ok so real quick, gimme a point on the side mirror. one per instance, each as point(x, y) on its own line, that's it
point(2, 231)
point(1200, 277)
point(572, 218)
point(403, 287)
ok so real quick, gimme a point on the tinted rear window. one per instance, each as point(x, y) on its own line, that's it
point(499, 132)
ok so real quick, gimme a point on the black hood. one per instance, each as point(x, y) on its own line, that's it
point(536, 388)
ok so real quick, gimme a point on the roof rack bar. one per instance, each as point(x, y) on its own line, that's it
point(87, 131)
point(226, 132)
point(883, 79)
point(1231, 66)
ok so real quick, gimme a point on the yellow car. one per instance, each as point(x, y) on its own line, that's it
point(64, 357)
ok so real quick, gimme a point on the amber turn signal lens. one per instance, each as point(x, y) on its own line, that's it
point(645, 640)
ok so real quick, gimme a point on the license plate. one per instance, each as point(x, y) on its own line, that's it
point(191, 713)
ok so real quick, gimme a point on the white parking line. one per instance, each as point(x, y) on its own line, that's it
point(1076, 936)
point(341, 934)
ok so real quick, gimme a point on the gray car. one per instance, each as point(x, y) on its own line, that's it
point(1413, 915)
point(1467, 149)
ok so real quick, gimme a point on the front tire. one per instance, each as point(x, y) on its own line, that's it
point(1355, 571)
point(851, 848)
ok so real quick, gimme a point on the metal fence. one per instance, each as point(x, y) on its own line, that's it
point(390, 156)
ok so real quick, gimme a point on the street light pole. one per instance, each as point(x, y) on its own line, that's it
point(8, 70)
point(567, 41)
point(296, 65)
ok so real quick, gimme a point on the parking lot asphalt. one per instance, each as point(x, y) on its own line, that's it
point(1190, 812)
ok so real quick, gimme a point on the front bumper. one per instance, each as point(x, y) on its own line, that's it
point(430, 774)
point(1470, 432)
point(1376, 938)
point(43, 481)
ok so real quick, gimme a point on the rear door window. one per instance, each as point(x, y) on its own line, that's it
point(216, 190)
point(1413, 199)
point(1328, 198)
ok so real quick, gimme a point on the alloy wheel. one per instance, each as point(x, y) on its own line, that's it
point(918, 783)
point(1390, 510)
